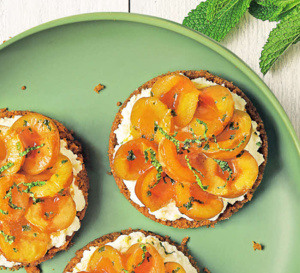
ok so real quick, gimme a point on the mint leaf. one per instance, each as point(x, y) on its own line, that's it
point(274, 10)
point(286, 33)
point(222, 21)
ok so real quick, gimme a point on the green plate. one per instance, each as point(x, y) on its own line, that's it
point(62, 61)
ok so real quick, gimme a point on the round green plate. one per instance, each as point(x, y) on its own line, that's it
point(62, 61)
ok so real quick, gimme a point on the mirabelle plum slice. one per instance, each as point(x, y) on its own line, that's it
point(215, 109)
point(174, 164)
point(129, 162)
point(145, 113)
point(106, 259)
point(151, 263)
point(35, 130)
point(178, 93)
point(152, 193)
point(196, 203)
point(244, 173)
point(57, 177)
point(13, 201)
point(10, 149)
point(21, 242)
point(171, 267)
point(233, 139)
point(53, 214)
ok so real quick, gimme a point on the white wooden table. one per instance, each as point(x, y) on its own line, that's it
point(246, 40)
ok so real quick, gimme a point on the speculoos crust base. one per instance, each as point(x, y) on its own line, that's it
point(113, 236)
point(230, 209)
point(81, 181)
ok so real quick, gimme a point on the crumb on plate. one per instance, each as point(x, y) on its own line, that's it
point(98, 88)
point(23, 87)
point(109, 173)
point(257, 246)
point(119, 103)
point(205, 270)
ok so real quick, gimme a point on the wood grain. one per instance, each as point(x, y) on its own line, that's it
point(246, 40)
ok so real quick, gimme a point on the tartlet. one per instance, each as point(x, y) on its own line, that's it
point(199, 89)
point(133, 249)
point(49, 192)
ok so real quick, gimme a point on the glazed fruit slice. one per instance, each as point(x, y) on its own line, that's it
point(10, 149)
point(142, 258)
point(214, 111)
point(52, 214)
point(14, 200)
point(172, 267)
point(21, 242)
point(40, 138)
point(129, 162)
point(180, 95)
point(153, 191)
point(145, 113)
point(233, 139)
point(231, 178)
point(196, 203)
point(106, 259)
point(174, 163)
point(57, 177)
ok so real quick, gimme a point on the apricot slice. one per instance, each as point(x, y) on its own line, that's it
point(10, 149)
point(179, 94)
point(145, 113)
point(13, 199)
point(52, 214)
point(172, 267)
point(144, 258)
point(233, 139)
point(107, 259)
point(57, 178)
point(231, 178)
point(174, 164)
point(21, 242)
point(196, 203)
point(154, 193)
point(215, 109)
point(129, 162)
point(40, 137)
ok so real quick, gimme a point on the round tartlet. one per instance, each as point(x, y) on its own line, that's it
point(79, 185)
point(169, 252)
point(230, 208)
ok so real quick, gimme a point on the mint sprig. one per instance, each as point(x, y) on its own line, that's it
point(215, 18)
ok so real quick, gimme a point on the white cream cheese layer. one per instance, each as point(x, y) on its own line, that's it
point(124, 242)
point(123, 135)
point(58, 238)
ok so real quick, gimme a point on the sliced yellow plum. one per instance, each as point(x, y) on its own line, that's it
point(129, 162)
point(214, 111)
point(154, 193)
point(196, 203)
point(52, 214)
point(179, 94)
point(232, 140)
point(57, 178)
point(172, 267)
point(14, 201)
point(231, 178)
point(106, 259)
point(10, 149)
point(21, 242)
point(40, 137)
point(145, 113)
point(144, 258)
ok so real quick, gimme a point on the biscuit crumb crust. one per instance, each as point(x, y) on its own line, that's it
point(230, 209)
point(113, 236)
point(81, 181)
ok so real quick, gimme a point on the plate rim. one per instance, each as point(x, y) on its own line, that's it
point(177, 28)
